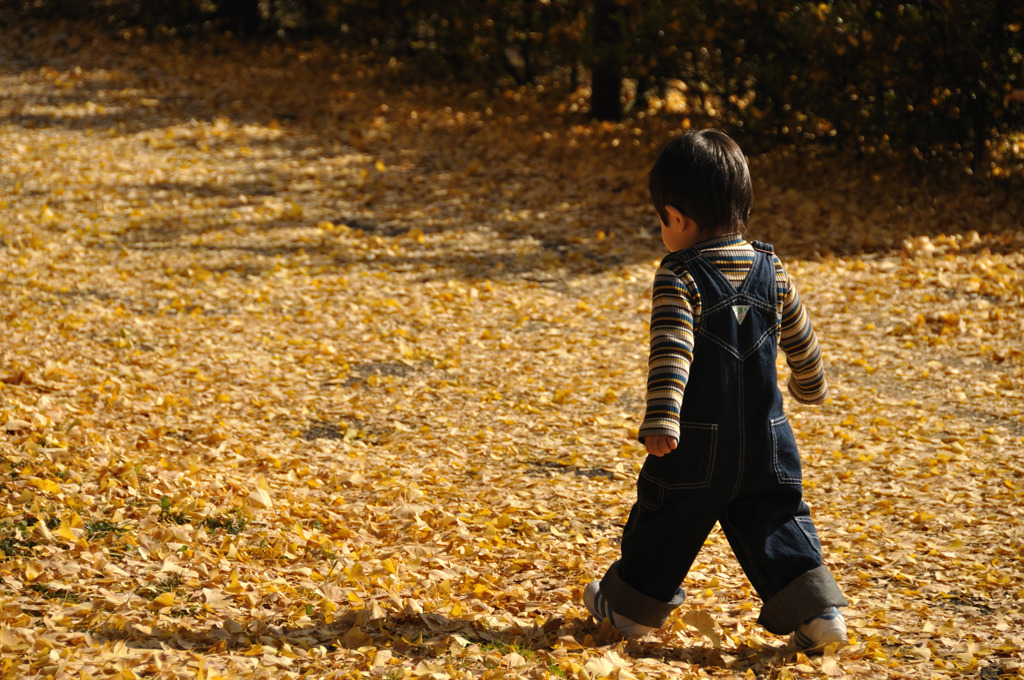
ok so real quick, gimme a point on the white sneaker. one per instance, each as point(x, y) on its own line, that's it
point(600, 609)
point(814, 634)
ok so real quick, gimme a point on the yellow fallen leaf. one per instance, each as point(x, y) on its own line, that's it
point(10, 641)
point(235, 587)
point(599, 667)
point(47, 485)
point(705, 623)
point(514, 660)
point(569, 642)
point(260, 499)
point(164, 599)
point(16, 425)
point(64, 531)
point(830, 667)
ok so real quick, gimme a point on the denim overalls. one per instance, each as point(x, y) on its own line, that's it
point(737, 463)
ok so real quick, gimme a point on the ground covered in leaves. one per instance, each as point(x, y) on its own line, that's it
point(307, 370)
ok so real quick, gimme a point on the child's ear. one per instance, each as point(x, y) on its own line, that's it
point(675, 216)
point(677, 220)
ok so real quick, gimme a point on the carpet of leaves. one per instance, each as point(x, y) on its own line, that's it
point(311, 371)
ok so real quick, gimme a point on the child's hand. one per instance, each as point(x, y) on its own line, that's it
point(660, 444)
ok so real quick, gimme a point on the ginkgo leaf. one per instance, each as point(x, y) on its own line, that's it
point(64, 531)
point(260, 498)
point(10, 641)
point(47, 485)
point(705, 623)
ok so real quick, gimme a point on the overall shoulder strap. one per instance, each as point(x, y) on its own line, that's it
point(763, 272)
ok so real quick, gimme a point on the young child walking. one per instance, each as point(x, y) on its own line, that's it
point(720, 448)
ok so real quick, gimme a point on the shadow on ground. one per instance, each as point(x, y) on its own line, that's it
point(429, 636)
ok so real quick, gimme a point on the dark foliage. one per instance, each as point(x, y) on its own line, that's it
point(919, 79)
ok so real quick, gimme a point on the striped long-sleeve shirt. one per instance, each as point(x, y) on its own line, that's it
point(676, 312)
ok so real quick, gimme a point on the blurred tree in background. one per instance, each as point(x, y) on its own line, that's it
point(924, 78)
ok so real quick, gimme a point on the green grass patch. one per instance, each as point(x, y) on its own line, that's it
point(48, 593)
point(231, 524)
point(167, 585)
point(12, 547)
point(100, 528)
point(167, 513)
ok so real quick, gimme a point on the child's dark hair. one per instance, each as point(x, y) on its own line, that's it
point(703, 175)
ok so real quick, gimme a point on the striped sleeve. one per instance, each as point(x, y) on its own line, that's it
point(807, 381)
point(675, 302)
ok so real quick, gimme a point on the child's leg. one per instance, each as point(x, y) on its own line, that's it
point(662, 537)
point(775, 541)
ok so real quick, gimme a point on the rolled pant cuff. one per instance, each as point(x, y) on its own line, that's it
point(630, 602)
point(807, 595)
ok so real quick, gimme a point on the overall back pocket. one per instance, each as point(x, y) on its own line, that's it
point(691, 464)
point(785, 455)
